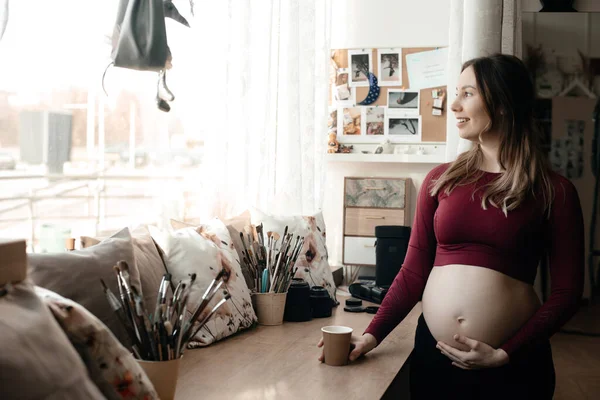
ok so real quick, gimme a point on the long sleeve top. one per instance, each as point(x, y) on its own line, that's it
point(455, 229)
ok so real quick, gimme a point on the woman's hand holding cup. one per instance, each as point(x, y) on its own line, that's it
point(359, 345)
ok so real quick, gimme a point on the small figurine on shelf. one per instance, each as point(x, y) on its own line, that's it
point(332, 143)
point(345, 149)
point(386, 147)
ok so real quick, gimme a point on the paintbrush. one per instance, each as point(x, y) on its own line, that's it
point(146, 326)
point(275, 237)
point(117, 307)
point(205, 301)
point(259, 233)
point(125, 301)
point(175, 301)
point(248, 253)
point(114, 303)
point(269, 251)
point(158, 297)
point(207, 296)
point(282, 251)
point(205, 320)
point(138, 319)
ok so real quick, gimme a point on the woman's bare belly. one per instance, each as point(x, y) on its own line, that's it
point(477, 302)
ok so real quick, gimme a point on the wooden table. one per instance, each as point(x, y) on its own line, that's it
point(280, 362)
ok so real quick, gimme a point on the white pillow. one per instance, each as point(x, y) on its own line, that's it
point(312, 263)
point(188, 251)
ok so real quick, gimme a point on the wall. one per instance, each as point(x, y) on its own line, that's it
point(372, 24)
point(389, 23)
point(562, 35)
point(565, 33)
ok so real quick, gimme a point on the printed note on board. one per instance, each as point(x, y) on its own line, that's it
point(427, 69)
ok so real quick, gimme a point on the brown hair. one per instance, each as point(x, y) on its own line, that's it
point(509, 95)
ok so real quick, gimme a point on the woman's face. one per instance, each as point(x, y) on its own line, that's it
point(469, 107)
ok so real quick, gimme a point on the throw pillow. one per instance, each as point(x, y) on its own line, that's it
point(234, 227)
point(110, 365)
point(36, 358)
point(148, 261)
point(76, 275)
point(205, 250)
point(312, 263)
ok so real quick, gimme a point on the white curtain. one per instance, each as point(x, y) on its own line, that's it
point(478, 28)
point(3, 16)
point(258, 88)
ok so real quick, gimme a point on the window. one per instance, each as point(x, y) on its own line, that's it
point(74, 160)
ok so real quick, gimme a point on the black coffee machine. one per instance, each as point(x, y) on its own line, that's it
point(390, 251)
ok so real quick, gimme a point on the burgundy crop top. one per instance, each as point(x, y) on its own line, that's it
point(455, 229)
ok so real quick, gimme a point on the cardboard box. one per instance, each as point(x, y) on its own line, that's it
point(13, 261)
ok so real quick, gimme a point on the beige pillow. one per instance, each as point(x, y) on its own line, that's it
point(238, 222)
point(76, 275)
point(149, 264)
point(37, 361)
point(148, 260)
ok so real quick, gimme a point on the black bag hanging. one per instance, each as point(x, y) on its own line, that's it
point(139, 38)
point(139, 41)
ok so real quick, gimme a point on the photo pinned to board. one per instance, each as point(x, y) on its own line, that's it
point(361, 64)
point(389, 67)
point(350, 121)
point(403, 128)
point(343, 94)
point(374, 121)
point(404, 102)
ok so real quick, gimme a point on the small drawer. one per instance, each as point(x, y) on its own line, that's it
point(382, 193)
point(362, 221)
point(359, 250)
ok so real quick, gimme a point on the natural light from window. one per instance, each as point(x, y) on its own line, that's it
point(76, 161)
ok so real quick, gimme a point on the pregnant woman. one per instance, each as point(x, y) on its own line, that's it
point(482, 225)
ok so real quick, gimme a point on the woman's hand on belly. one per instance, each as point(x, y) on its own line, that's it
point(480, 355)
point(480, 306)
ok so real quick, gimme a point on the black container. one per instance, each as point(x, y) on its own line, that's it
point(297, 303)
point(390, 251)
point(320, 302)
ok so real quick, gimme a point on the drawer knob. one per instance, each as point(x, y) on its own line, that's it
point(375, 188)
point(374, 217)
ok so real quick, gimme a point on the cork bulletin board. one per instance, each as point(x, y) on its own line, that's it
point(433, 127)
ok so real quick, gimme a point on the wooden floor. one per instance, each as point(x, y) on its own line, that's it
point(577, 358)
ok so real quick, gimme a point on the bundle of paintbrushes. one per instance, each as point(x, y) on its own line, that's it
point(164, 334)
point(270, 262)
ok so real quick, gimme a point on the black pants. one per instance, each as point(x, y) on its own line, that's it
point(432, 375)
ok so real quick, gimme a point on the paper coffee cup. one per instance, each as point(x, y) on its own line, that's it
point(336, 344)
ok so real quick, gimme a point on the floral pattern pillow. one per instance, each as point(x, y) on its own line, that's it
point(205, 250)
point(110, 365)
point(312, 263)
